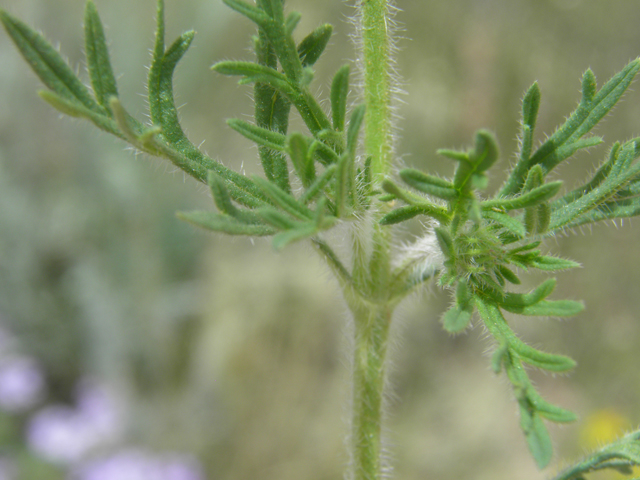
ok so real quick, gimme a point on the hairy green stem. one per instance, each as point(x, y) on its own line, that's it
point(371, 336)
point(377, 66)
point(372, 306)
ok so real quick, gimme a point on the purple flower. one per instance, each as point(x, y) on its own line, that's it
point(137, 464)
point(182, 467)
point(58, 434)
point(126, 465)
point(63, 434)
point(100, 410)
point(21, 384)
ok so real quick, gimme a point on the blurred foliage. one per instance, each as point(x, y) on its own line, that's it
point(97, 276)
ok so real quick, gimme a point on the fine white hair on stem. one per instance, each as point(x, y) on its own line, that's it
point(423, 256)
point(396, 85)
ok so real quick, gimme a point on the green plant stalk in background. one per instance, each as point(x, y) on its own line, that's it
point(478, 247)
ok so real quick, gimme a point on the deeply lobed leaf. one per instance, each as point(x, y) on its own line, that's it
point(566, 139)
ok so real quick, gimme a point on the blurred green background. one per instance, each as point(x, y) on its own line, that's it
point(226, 349)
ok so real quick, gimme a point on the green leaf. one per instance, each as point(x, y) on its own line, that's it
point(102, 79)
point(526, 143)
point(364, 188)
point(302, 161)
point(400, 193)
point(508, 275)
point(498, 327)
point(283, 239)
point(162, 106)
point(71, 96)
point(176, 146)
point(445, 242)
point(276, 218)
point(590, 111)
point(68, 107)
point(526, 247)
point(418, 205)
point(331, 140)
point(530, 106)
point(549, 263)
point(540, 359)
point(403, 214)
point(479, 181)
point(158, 46)
point(323, 218)
point(537, 437)
point(344, 185)
point(47, 63)
point(429, 184)
point(223, 201)
point(224, 224)
point(283, 199)
point(254, 72)
point(131, 129)
point(549, 411)
point(598, 178)
point(314, 44)
point(357, 117)
point(535, 178)
point(75, 109)
point(271, 94)
point(269, 16)
point(521, 300)
point(345, 194)
point(454, 154)
point(463, 295)
point(537, 219)
point(620, 454)
point(252, 13)
point(589, 86)
point(510, 223)
point(339, 93)
point(486, 151)
point(480, 159)
point(608, 211)
point(292, 22)
point(545, 308)
point(455, 320)
point(532, 406)
point(318, 185)
point(458, 317)
point(566, 151)
point(261, 136)
point(221, 195)
point(528, 199)
point(274, 8)
point(498, 357)
point(622, 171)
point(585, 118)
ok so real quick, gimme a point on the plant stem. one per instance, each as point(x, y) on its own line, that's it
point(372, 308)
point(372, 328)
point(377, 66)
point(369, 300)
